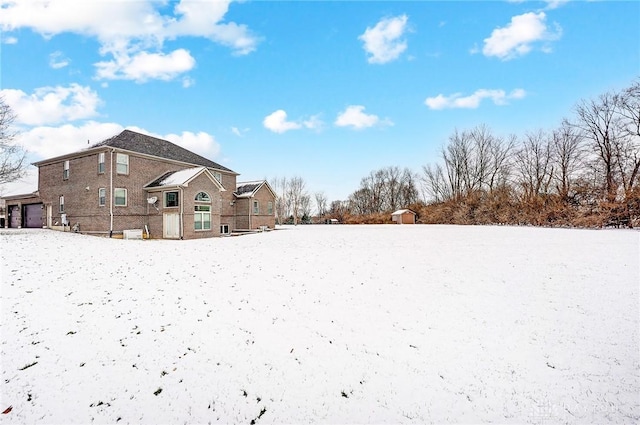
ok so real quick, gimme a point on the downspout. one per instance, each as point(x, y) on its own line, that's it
point(181, 213)
point(111, 194)
point(250, 206)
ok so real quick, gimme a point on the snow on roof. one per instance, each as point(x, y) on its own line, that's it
point(247, 189)
point(400, 212)
point(176, 178)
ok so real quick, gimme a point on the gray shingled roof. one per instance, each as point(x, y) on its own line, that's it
point(141, 143)
point(246, 188)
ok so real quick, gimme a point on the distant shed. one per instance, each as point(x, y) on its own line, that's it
point(404, 217)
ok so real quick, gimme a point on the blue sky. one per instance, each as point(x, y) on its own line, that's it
point(328, 90)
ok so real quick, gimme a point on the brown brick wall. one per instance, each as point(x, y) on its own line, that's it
point(227, 203)
point(242, 211)
point(263, 218)
point(81, 204)
point(247, 219)
point(201, 183)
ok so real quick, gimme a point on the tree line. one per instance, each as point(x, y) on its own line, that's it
point(585, 172)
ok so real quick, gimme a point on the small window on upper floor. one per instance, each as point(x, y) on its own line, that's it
point(122, 163)
point(171, 199)
point(101, 162)
point(65, 170)
point(202, 197)
point(218, 176)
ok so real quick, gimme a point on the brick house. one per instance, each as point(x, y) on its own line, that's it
point(135, 181)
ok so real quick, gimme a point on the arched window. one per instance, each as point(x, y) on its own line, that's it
point(203, 197)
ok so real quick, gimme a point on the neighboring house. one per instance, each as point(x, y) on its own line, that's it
point(403, 217)
point(135, 181)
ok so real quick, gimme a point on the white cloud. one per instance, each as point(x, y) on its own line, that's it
point(554, 4)
point(9, 40)
point(46, 142)
point(50, 105)
point(188, 82)
point(236, 131)
point(313, 123)
point(145, 66)
point(132, 32)
point(239, 132)
point(355, 117)
point(277, 122)
point(57, 60)
point(519, 36)
point(456, 100)
point(27, 184)
point(201, 143)
point(384, 42)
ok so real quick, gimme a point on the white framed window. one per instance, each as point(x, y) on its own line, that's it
point(101, 163)
point(218, 176)
point(61, 203)
point(269, 207)
point(65, 170)
point(171, 199)
point(120, 197)
point(102, 196)
point(122, 163)
point(224, 229)
point(202, 217)
point(256, 207)
point(202, 197)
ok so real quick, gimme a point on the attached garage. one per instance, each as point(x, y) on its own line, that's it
point(32, 215)
point(14, 219)
point(24, 211)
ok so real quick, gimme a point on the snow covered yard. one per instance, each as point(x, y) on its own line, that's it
point(323, 324)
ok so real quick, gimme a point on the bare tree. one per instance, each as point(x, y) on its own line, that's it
point(339, 210)
point(499, 170)
point(598, 121)
point(533, 164)
point(280, 185)
point(295, 193)
point(305, 207)
point(629, 103)
point(409, 188)
point(392, 188)
point(12, 155)
point(321, 203)
point(456, 156)
point(474, 160)
point(360, 201)
point(434, 183)
point(627, 146)
point(567, 157)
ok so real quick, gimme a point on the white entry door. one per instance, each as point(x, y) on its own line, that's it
point(171, 225)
